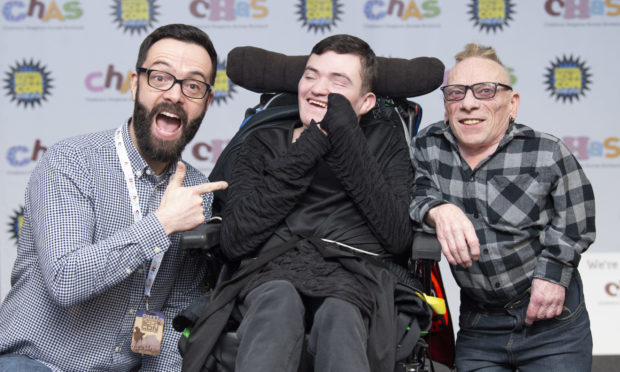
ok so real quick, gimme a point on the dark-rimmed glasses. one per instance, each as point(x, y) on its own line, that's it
point(486, 90)
point(162, 80)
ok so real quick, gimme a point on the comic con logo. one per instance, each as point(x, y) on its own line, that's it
point(319, 14)
point(223, 88)
point(15, 223)
point(491, 14)
point(568, 78)
point(28, 83)
point(135, 15)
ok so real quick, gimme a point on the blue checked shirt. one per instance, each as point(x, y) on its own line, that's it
point(80, 273)
point(530, 203)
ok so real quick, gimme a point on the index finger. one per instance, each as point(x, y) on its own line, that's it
point(210, 187)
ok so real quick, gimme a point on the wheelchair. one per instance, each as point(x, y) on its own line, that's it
point(266, 73)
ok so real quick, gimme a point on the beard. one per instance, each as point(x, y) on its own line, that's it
point(157, 149)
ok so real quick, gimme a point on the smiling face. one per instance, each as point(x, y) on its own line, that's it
point(165, 121)
point(331, 72)
point(479, 125)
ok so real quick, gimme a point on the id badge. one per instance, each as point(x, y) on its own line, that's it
point(148, 332)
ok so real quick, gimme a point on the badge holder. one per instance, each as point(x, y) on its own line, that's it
point(148, 332)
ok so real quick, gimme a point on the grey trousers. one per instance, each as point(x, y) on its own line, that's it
point(271, 333)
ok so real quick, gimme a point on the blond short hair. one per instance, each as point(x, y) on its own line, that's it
point(480, 51)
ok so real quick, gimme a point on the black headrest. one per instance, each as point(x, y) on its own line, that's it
point(263, 71)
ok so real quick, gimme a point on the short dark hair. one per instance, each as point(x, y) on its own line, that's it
point(181, 32)
point(348, 44)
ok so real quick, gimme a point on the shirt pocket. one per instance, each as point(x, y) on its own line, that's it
point(518, 201)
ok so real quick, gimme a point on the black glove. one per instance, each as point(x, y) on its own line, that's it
point(339, 114)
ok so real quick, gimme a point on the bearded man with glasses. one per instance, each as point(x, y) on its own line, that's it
point(100, 272)
point(513, 211)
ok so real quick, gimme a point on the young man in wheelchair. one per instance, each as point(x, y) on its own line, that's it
point(315, 207)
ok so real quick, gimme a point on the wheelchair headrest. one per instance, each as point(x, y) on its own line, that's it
point(263, 71)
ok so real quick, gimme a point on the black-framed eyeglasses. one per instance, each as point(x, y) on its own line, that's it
point(162, 80)
point(486, 90)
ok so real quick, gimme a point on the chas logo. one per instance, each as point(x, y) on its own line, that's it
point(223, 88)
point(568, 78)
point(228, 10)
point(585, 148)
point(209, 152)
point(376, 9)
point(582, 9)
point(17, 11)
point(491, 14)
point(15, 224)
point(28, 83)
point(135, 15)
point(20, 155)
point(612, 289)
point(110, 79)
point(319, 14)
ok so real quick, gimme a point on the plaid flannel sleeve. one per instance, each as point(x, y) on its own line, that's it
point(572, 228)
point(426, 193)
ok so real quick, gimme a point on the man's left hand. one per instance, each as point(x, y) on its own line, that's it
point(339, 113)
point(546, 301)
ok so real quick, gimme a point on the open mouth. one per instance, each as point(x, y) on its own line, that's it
point(168, 124)
point(317, 103)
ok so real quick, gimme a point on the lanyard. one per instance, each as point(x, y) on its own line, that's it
point(121, 151)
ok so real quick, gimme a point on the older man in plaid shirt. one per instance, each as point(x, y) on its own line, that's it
point(513, 211)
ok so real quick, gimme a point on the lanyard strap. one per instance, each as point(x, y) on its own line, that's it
point(130, 181)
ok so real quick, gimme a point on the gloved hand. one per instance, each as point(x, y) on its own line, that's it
point(339, 113)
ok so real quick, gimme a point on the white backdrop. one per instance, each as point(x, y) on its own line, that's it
point(65, 64)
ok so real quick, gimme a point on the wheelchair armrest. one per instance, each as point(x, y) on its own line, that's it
point(426, 247)
point(204, 237)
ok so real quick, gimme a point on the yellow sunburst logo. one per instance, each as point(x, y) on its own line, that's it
point(17, 219)
point(491, 14)
point(28, 83)
point(135, 15)
point(568, 78)
point(319, 14)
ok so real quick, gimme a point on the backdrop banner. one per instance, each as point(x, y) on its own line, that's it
point(65, 67)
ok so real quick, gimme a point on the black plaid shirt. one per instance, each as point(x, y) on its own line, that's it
point(530, 203)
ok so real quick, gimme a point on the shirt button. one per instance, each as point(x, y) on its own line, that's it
point(132, 311)
point(157, 250)
point(128, 271)
point(148, 171)
point(140, 271)
point(485, 251)
point(138, 173)
point(117, 349)
point(496, 285)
